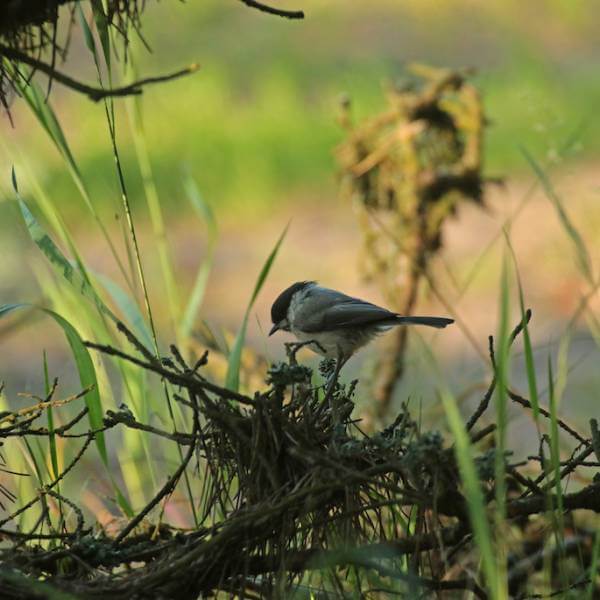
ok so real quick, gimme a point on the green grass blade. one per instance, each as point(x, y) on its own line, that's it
point(85, 369)
point(88, 36)
point(205, 212)
point(58, 260)
point(473, 493)
point(50, 416)
point(554, 435)
point(527, 346)
point(501, 402)
point(557, 514)
point(52, 439)
point(33, 95)
point(87, 378)
point(127, 306)
point(232, 379)
point(101, 21)
point(594, 566)
point(44, 113)
point(581, 252)
point(134, 111)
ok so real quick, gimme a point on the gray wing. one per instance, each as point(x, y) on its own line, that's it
point(327, 310)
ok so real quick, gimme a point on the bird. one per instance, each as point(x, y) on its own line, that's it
point(333, 324)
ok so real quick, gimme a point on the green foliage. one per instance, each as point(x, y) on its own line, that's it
point(204, 211)
point(474, 495)
point(232, 379)
point(85, 368)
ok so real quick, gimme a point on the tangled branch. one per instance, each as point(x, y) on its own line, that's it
point(286, 490)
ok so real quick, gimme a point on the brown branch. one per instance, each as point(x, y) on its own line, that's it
point(94, 93)
point(288, 14)
point(190, 381)
point(112, 418)
point(488, 395)
point(51, 485)
point(527, 404)
point(588, 498)
point(167, 488)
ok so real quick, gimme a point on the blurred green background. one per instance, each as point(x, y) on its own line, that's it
point(256, 127)
point(256, 124)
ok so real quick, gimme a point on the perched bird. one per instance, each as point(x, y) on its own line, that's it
point(336, 325)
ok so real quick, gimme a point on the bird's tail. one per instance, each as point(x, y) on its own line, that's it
point(438, 322)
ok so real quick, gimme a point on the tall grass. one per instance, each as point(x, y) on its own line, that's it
point(87, 304)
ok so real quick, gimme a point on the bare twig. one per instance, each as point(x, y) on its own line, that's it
point(288, 14)
point(94, 93)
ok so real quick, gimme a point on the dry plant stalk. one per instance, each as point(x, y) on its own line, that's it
point(407, 170)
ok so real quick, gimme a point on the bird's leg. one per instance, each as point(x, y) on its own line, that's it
point(339, 363)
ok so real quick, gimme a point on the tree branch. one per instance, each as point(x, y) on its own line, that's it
point(94, 93)
point(288, 14)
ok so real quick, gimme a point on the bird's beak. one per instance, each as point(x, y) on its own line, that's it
point(274, 329)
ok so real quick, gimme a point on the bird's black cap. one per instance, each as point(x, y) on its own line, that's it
point(282, 303)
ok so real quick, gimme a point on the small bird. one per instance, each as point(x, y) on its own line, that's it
point(336, 325)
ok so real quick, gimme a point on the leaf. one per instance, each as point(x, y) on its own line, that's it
point(87, 378)
point(101, 21)
point(34, 96)
point(501, 396)
point(85, 369)
point(88, 36)
point(473, 493)
point(50, 416)
point(232, 379)
point(128, 308)
point(57, 259)
point(529, 360)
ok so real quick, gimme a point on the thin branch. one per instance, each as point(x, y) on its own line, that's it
point(280, 12)
point(527, 404)
point(94, 93)
point(188, 381)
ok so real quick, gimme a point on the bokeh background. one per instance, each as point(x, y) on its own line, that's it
point(257, 129)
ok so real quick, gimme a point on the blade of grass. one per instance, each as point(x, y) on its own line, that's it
point(528, 348)
point(205, 212)
point(134, 111)
point(85, 369)
point(127, 306)
point(563, 364)
point(594, 566)
point(57, 259)
point(126, 205)
point(101, 21)
point(557, 514)
point(502, 367)
point(47, 118)
point(87, 378)
point(232, 379)
point(463, 450)
point(581, 252)
point(473, 494)
point(50, 416)
point(52, 438)
point(36, 468)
